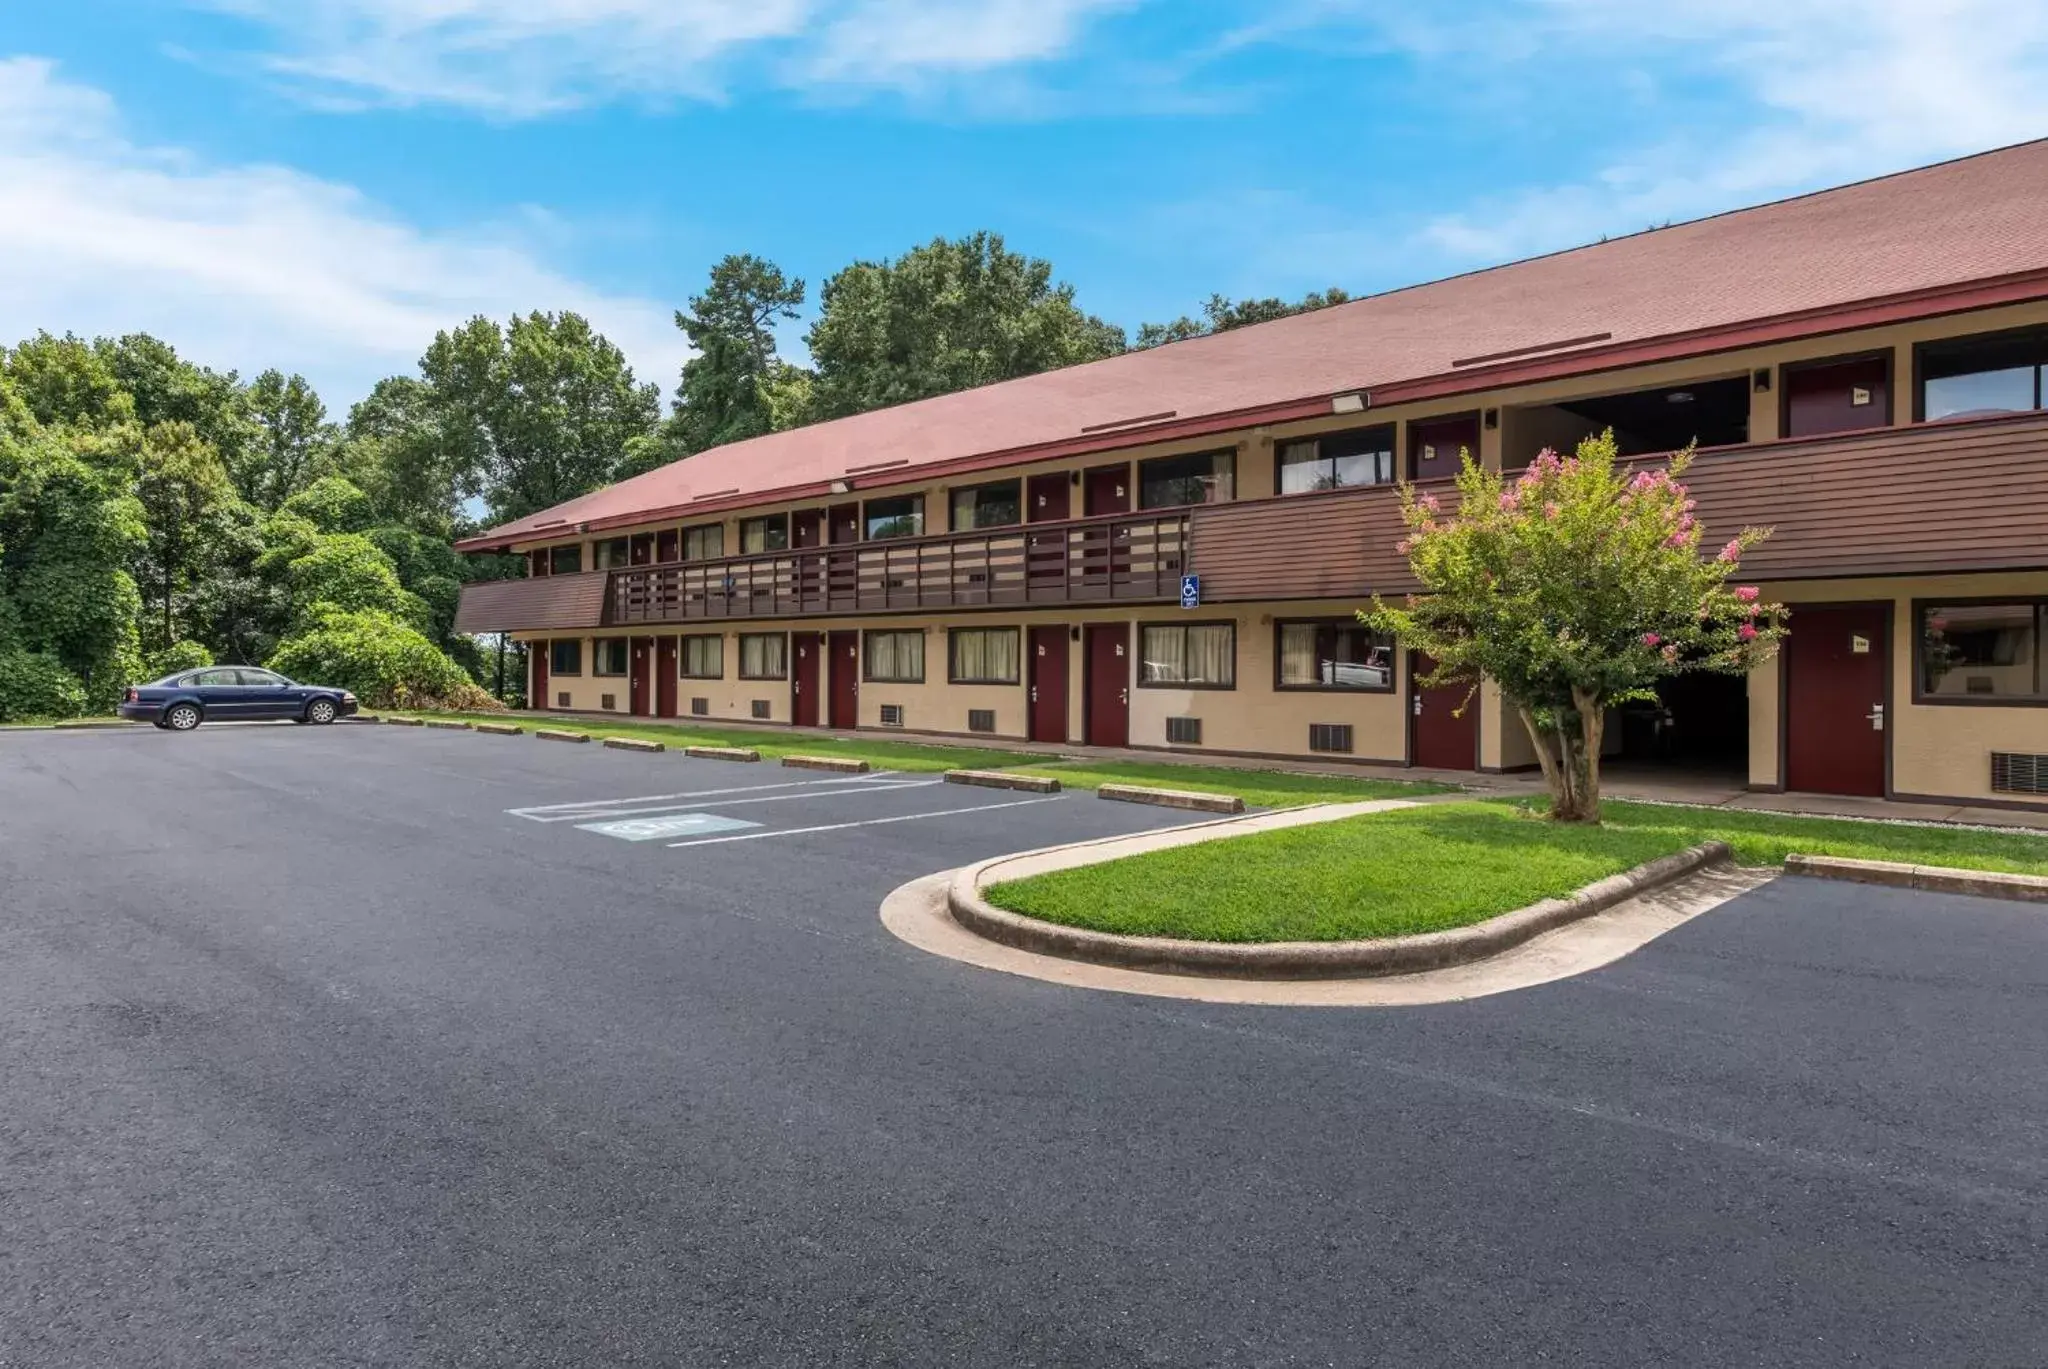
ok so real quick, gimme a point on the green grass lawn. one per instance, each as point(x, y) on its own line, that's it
point(773, 745)
point(1258, 788)
point(1447, 865)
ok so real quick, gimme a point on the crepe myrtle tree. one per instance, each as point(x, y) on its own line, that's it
point(1575, 587)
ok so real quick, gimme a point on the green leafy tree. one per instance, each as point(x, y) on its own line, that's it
point(346, 571)
point(293, 443)
point(63, 380)
point(533, 413)
point(393, 449)
point(1575, 587)
point(947, 316)
point(332, 504)
point(723, 395)
point(185, 496)
point(184, 654)
point(385, 661)
point(1220, 314)
point(165, 388)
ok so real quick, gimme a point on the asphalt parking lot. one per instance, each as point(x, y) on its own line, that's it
point(372, 1046)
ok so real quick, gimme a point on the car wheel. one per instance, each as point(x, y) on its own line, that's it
point(320, 711)
point(182, 717)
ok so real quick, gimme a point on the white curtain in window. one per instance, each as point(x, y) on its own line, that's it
point(1298, 663)
point(1212, 655)
point(762, 655)
point(896, 656)
point(986, 654)
point(704, 657)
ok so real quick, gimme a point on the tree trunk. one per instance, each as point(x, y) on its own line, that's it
point(1570, 758)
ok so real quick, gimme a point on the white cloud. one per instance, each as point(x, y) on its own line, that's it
point(1809, 93)
point(251, 266)
point(520, 58)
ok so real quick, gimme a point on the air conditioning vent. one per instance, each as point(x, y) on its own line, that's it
point(1184, 731)
point(1329, 737)
point(764, 708)
point(981, 720)
point(562, 699)
point(2015, 773)
point(608, 701)
point(700, 707)
point(892, 715)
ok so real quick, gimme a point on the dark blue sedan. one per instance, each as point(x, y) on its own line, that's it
point(230, 693)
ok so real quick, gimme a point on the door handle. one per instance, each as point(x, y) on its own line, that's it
point(1418, 705)
point(1123, 696)
point(1034, 693)
point(1876, 717)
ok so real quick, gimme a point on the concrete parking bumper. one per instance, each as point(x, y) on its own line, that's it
point(1932, 878)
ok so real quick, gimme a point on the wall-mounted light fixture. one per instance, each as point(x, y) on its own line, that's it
point(1492, 419)
point(1761, 381)
point(842, 487)
point(1073, 634)
point(1348, 404)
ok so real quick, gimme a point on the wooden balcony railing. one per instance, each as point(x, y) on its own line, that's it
point(1127, 558)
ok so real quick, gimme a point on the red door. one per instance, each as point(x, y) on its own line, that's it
point(1837, 397)
point(1835, 672)
point(667, 546)
point(1107, 668)
point(806, 649)
point(538, 651)
point(845, 670)
point(845, 523)
point(806, 528)
point(1437, 737)
point(641, 549)
point(842, 569)
point(1045, 498)
point(1048, 647)
point(1106, 489)
point(665, 678)
point(641, 695)
point(1436, 447)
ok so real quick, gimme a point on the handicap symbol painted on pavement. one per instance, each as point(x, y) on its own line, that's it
point(667, 825)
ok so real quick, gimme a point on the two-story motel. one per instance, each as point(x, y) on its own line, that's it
point(1165, 549)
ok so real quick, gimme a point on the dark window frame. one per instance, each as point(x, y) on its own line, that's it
point(573, 550)
point(597, 650)
point(1922, 348)
point(1229, 453)
point(1016, 486)
point(766, 521)
point(1347, 624)
point(555, 644)
point(1392, 450)
point(867, 661)
point(916, 516)
point(783, 674)
point(683, 670)
point(611, 553)
point(1173, 625)
point(1788, 369)
point(1920, 609)
point(683, 542)
point(953, 657)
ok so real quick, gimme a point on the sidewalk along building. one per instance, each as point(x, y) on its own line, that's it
point(1166, 549)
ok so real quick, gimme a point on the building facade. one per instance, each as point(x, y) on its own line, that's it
point(1167, 549)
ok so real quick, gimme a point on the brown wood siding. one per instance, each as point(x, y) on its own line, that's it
point(548, 604)
point(1925, 499)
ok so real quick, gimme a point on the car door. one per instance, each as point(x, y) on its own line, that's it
point(220, 693)
point(265, 695)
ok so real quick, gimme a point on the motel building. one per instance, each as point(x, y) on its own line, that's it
point(1165, 550)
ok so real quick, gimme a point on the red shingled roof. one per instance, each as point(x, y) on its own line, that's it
point(1796, 266)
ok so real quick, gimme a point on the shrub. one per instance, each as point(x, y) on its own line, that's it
point(35, 684)
point(181, 655)
point(372, 654)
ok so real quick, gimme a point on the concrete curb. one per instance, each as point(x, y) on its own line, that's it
point(1307, 959)
point(549, 734)
point(634, 744)
point(1172, 798)
point(93, 725)
point(501, 729)
point(1940, 879)
point(835, 764)
point(450, 724)
point(722, 753)
point(1000, 779)
point(406, 722)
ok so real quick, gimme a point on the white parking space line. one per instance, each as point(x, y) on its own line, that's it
point(590, 808)
point(869, 822)
point(784, 798)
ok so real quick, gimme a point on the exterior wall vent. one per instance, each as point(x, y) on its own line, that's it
point(892, 715)
point(562, 699)
point(764, 708)
point(1330, 737)
point(981, 720)
point(700, 707)
point(2015, 773)
point(609, 702)
point(1184, 731)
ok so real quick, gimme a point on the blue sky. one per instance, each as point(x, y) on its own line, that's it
point(320, 184)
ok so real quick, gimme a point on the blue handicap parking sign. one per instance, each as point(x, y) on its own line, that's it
point(1190, 591)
